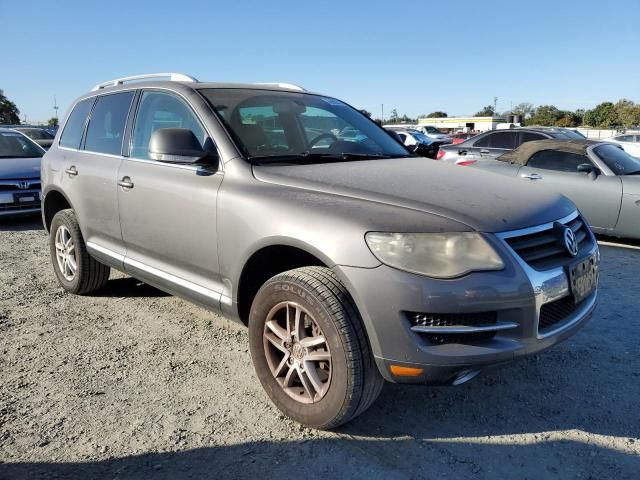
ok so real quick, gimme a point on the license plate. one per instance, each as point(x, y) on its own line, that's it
point(583, 278)
point(27, 197)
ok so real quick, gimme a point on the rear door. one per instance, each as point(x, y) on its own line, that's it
point(91, 166)
point(495, 144)
point(168, 210)
point(597, 197)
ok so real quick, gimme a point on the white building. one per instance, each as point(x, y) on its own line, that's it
point(467, 124)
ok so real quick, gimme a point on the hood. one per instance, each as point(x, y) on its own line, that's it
point(11, 168)
point(483, 201)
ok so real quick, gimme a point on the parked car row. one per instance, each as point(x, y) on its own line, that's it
point(350, 259)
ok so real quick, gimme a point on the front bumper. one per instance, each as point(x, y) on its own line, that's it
point(19, 202)
point(384, 295)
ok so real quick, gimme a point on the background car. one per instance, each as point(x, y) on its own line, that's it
point(601, 179)
point(492, 144)
point(19, 173)
point(434, 133)
point(629, 142)
point(39, 135)
point(461, 137)
point(417, 142)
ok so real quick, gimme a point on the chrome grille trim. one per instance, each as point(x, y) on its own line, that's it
point(552, 284)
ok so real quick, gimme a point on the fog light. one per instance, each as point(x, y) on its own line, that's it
point(400, 371)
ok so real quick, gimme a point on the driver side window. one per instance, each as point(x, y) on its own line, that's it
point(161, 110)
point(558, 161)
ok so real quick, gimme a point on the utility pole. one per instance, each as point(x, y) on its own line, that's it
point(495, 105)
point(382, 115)
point(55, 108)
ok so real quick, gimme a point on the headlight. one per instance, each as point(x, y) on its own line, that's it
point(440, 255)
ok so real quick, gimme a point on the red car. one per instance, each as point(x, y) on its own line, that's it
point(461, 137)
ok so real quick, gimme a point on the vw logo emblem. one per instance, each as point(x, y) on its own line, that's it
point(570, 242)
point(23, 185)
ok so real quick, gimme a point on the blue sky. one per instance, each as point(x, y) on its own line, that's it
point(415, 56)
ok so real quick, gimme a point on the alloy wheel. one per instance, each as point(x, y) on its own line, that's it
point(297, 352)
point(66, 253)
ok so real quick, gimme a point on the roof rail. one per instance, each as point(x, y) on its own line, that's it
point(173, 77)
point(290, 86)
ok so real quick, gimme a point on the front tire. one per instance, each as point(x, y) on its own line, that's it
point(310, 350)
point(76, 270)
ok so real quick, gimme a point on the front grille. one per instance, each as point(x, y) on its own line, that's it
point(480, 319)
point(7, 186)
point(555, 312)
point(545, 249)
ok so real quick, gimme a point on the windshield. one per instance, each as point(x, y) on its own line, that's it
point(274, 125)
point(421, 137)
point(567, 134)
point(618, 161)
point(15, 145)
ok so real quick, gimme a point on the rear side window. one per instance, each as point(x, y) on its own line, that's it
point(106, 126)
point(505, 140)
point(529, 137)
point(558, 161)
point(72, 133)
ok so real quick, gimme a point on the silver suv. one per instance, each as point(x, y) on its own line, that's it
point(350, 261)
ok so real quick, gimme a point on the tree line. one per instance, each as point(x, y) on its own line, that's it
point(607, 115)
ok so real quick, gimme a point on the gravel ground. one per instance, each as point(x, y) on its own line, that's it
point(132, 383)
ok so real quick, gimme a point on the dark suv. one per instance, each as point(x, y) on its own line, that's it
point(490, 145)
point(349, 259)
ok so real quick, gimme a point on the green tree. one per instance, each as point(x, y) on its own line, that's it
point(9, 113)
point(627, 113)
point(485, 112)
point(525, 109)
point(53, 122)
point(545, 115)
point(602, 116)
point(568, 119)
point(365, 112)
point(436, 114)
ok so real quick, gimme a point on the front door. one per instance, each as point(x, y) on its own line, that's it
point(597, 197)
point(168, 210)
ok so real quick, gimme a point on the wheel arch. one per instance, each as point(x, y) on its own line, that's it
point(269, 258)
point(53, 201)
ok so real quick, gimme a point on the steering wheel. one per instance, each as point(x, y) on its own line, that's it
point(321, 136)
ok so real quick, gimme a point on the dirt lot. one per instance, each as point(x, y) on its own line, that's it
point(133, 383)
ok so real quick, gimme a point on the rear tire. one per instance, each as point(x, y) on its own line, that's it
point(322, 375)
point(76, 270)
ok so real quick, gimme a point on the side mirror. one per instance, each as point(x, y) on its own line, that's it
point(589, 169)
point(175, 145)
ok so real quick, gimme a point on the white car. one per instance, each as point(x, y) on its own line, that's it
point(629, 142)
point(434, 133)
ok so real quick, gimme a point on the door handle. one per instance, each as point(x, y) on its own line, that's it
point(126, 182)
point(485, 152)
point(72, 170)
point(531, 176)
